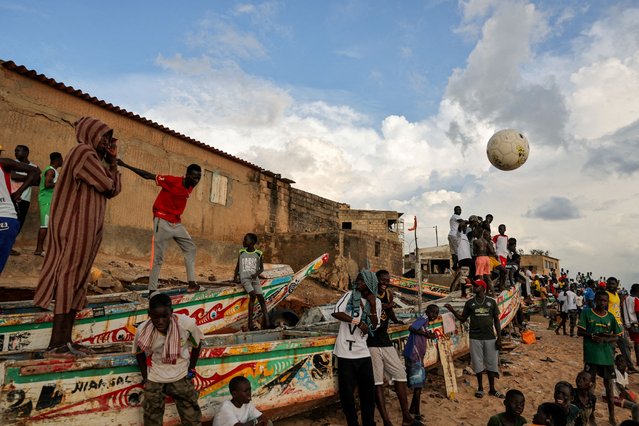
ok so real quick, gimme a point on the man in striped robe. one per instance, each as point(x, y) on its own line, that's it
point(75, 228)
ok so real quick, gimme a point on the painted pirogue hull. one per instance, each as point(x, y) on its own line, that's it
point(290, 372)
point(409, 286)
point(113, 318)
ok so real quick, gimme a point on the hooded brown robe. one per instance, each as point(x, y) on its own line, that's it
point(77, 220)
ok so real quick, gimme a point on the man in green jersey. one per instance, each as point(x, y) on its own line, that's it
point(600, 331)
point(47, 183)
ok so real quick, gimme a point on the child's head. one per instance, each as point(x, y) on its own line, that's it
point(250, 240)
point(383, 279)
point(585, 381)
point(160, 311)
point(240, 389)
point(601, 301)
point(563, 394)
point(432, 312)
point(515, 402)
point(502, 229)
point(620, 363)
point(550, 414)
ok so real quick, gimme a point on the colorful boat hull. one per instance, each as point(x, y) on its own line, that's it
point(290, 371)
point(430, 291)
point(113, 318)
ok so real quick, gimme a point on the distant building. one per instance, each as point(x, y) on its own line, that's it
point(541, 264)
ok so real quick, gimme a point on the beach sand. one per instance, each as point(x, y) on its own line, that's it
point(523, 368)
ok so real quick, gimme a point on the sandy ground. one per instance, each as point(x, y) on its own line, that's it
point(523, 369)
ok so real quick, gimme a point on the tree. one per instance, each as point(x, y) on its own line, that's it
point(540, 252)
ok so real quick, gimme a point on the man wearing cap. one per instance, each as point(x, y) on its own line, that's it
point(485, 339)
point(358, 313)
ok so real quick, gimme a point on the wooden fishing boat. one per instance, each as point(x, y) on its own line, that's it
point(113, 318)
point(291, 371)
point(430, 291)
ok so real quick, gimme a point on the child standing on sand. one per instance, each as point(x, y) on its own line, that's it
point(600, 331)
point(514, 403)
point(247, 272)
point(414, 353)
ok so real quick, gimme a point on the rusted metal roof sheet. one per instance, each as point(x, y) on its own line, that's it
point(24, 71)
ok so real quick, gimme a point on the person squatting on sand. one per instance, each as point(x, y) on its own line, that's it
point(239, 410)
point(358, 312)
point(167, 220)
point(76, 227)
point(167, 347)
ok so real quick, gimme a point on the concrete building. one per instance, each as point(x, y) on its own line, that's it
point(541, 264)
point(234, 196)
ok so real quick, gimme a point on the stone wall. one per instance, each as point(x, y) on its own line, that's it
point(312, 213)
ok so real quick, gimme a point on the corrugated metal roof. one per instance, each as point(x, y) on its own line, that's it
point(24, 71)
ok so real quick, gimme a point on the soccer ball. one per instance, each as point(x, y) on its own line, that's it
point(507, 149)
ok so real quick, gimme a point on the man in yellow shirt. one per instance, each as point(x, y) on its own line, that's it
point(614, 307)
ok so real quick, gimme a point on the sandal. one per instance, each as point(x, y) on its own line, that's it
point(81, 348)
point(479, 394)
point(194, 288)
point(38, 253)
point(497, 394)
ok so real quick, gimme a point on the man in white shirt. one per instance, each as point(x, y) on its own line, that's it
point(358, 312)
point(568, 302)
point(454, 221)
point(239, 410)
point(464, 258)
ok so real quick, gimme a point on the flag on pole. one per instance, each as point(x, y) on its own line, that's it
point(414, 224)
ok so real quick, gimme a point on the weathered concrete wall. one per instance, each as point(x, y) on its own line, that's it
point(312, 213)
point(40, 116)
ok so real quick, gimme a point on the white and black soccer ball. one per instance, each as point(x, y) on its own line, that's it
point(507, 149)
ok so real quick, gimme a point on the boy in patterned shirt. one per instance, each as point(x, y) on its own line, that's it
point(247, 272)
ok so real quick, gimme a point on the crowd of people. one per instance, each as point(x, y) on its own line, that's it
point(167, 345)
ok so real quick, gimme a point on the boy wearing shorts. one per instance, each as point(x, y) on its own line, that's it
point(414, 353)
point(247, 272)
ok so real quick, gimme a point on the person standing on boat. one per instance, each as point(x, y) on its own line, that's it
point(9, 223)
point(485, 336)
point(167, 347)
point(385, 359)
point(358, 312)
point(247, 272)
point(454, 221)
point(76, 227)
point(167, 220)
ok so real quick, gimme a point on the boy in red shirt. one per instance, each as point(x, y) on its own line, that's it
point(167, 222)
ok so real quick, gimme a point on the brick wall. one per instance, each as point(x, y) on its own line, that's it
point(312, 213)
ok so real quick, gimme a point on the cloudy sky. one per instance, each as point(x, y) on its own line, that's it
point(385, 104)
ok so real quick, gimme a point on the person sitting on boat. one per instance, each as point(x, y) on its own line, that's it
point(247, 272)
point(414, 353)
point(384, 356)
point(485, 336)
point(167, 347)
point(167, 220)
point(358, 312)
point(239, 410)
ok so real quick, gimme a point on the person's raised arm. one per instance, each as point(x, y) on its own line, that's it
point(461, 317)
point(142, 173)
point(33, 174)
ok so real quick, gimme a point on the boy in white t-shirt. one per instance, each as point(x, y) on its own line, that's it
point(239, 410)
point(167, 347)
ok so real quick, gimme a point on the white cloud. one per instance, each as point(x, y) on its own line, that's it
point(425, 167)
